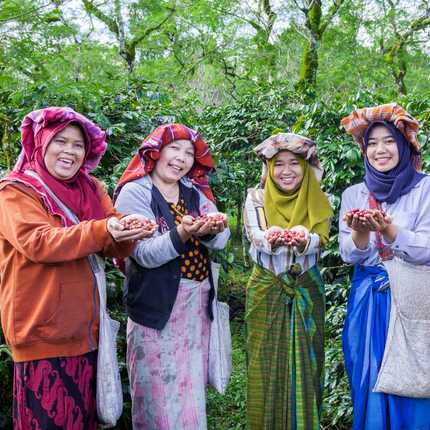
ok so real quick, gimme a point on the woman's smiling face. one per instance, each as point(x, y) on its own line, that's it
point(287, 172)
point(176, 160)
point(65, 152)
point(382, 151)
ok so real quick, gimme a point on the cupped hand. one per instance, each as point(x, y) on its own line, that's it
point(300, 242)
point(201, 228)
point(378, 222)
point(368, 222)
point(119, 234)
point(274, 241)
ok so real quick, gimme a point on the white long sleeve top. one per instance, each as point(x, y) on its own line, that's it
point(411, 214)
point(280, 259)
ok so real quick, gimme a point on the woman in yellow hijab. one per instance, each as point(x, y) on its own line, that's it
point(287, 222)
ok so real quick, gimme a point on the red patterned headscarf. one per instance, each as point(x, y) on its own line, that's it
point(143, 162)
point(359, 120)
point(78, 193)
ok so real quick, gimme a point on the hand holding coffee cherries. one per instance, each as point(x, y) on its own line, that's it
point(367, 220)
point(131, 227)
point(212, 223)
point(297, 236)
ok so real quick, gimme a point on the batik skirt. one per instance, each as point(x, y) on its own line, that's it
point(168, 368)
point(364, 337)
point(55, 393)
point(285, 349)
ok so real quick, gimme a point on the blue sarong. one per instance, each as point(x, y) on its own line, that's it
point(363, 341)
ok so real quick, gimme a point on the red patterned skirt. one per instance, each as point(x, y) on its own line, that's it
point(55, 393)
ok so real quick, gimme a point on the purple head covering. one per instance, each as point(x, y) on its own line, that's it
point(389, 186)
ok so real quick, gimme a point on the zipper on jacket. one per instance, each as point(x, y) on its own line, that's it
point(93, 347)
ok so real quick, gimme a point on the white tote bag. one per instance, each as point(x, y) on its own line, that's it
point(220, 364)
point(109, 400)
point(405, 368)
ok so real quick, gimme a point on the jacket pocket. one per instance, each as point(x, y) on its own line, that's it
point(74, 312)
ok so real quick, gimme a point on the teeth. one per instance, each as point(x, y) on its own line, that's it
point(176, 168)
point(66, 161)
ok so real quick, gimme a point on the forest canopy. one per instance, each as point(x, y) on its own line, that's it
point(214, 50)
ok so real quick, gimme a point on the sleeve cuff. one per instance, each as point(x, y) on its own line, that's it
point(101, 234)
point(180, 246)
point(207, 237)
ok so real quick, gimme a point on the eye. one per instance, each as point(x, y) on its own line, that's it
point(390, 141)
point(191, 154)
point(371, 143)
point(60, 141)
point(79, 145)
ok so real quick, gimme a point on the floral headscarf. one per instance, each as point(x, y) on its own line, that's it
point(79, 193)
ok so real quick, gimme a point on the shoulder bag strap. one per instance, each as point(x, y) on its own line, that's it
point(72, 217)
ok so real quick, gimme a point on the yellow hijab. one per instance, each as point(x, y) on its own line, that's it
point(305, 205)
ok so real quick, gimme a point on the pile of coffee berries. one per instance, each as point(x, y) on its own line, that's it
point(287, 235)
point(208, 218)
point(362, 212)
point(134, 224)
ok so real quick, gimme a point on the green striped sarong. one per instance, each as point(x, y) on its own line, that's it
point(285, 348)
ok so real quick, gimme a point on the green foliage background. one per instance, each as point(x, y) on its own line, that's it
point(231, 130)
point(238, 72)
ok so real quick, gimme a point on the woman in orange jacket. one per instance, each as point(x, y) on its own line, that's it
point(48, 295)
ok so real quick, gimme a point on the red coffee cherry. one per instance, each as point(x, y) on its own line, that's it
point(287, 235)
point(134, 224)
point(362, 212)
point(207, 218)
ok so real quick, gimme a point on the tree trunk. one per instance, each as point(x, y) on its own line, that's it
point(245, 244)
point(122, 49)
point(239, 212)
point(401, 87)
point(309, 68)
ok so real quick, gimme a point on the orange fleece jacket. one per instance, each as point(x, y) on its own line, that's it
point(48, 298)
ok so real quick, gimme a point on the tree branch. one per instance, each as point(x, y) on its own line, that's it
point(22, 15)
point(111, 23)
point(419, 24)
point(331, 15)
point(132, 44)
point(203, 57)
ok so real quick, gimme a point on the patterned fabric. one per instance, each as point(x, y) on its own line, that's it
point(78, 193)
point(194, 265)
point(384, 252)
point(168, 368)
point(55, 393)
point(285, 349)
point(295, 143)
point(357, 122)
point(143, 162)
point(363, 340)
point(38, 119)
